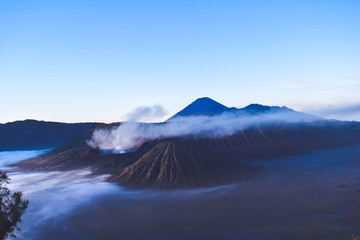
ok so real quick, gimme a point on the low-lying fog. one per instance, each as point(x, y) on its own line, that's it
point(9, 157)
point(313, 196)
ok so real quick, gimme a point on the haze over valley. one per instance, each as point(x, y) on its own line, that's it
point(179, 120)
point(257, 172)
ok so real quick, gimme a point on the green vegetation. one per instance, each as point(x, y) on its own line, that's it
point(12, 206)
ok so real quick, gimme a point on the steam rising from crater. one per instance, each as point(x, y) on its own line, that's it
point(146, 113)
point(130, 135)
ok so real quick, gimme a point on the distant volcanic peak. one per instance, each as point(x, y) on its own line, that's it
point(285, 113)
point(201, 107)
point(207, 107)
point(258, 108)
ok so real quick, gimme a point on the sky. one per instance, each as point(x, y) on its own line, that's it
point(76, 61)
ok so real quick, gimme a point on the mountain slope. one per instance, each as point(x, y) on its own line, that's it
point(187, 162)
point(201, 107)
point(258, 109)
point(190, 161)
point(197, 162)
point(208, 107)
point(32, 134)
point(180, 164)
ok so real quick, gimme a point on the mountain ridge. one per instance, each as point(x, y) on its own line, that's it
point(33, 134)
point(181, 162)
point(186, 161)
point(206, 106)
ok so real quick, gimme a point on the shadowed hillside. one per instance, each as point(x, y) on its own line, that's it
point(193, 162)
point(32, 134)
point(189, 161)
point(181, 164)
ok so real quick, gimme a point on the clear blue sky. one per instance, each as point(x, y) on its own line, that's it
point(90, 60)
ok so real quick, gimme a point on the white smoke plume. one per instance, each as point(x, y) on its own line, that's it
point(128, 136)
point(146, 113)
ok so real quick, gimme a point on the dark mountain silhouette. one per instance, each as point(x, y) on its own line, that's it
point(201, 107)
point(208, 107)
point(32, 134)
point(258, 108)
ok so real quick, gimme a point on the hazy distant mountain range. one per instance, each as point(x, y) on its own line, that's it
point(193, 161)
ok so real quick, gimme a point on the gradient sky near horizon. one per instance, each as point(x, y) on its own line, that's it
point(71, 60)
